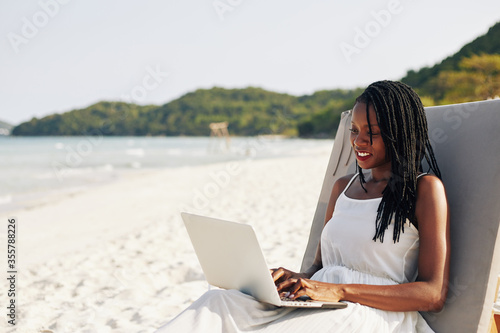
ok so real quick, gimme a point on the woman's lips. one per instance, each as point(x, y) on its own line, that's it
point(363, 155)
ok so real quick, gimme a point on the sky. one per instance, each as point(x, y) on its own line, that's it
point(60, 55)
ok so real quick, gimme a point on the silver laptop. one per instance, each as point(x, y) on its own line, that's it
point(231, 258)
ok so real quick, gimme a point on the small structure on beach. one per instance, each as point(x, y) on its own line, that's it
point(219, 136)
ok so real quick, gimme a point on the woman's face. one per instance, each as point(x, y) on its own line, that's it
point(368, 154)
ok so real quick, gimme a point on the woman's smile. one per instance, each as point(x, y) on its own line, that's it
point(362, 155)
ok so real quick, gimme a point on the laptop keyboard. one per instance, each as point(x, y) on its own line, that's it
point(299, 302)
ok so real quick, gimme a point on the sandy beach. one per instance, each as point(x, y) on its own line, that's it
point(116, 257)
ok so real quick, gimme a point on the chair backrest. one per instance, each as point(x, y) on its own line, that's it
point(466, 142)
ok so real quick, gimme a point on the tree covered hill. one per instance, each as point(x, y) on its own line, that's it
point(424, 79)
point(103, 118)
point(249, 111)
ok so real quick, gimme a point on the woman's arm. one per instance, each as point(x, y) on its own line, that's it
point(428, 293)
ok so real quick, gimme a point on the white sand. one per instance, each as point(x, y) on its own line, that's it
point(116, 258)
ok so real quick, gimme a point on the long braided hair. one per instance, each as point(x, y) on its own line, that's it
point(403, 125)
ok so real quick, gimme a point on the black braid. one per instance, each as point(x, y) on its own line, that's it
point(403, 125)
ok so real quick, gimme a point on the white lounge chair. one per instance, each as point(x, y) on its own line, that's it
point(466, 142)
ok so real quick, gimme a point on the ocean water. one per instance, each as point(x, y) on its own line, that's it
point(37, 168)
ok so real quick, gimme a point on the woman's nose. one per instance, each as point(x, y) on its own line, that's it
point(362, 139)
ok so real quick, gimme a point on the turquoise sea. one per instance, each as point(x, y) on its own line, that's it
point(36, 168)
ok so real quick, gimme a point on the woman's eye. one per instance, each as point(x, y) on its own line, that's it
point(353, 130)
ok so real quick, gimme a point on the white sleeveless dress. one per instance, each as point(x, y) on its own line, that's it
point(349, 256)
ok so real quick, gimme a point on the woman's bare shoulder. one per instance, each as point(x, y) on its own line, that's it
point(431, 194)
point(341, 183)
point(429, 182)
point(338, 187)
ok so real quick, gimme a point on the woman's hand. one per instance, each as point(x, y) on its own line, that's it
point(282, 274)
point(294, 285)
point(294, 288)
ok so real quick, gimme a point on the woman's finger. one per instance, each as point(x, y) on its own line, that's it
point(286, 284)
point(277, 274)
point(296, 287)
point(300, 285)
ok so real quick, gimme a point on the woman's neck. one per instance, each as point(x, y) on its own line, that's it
point(380, 175)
